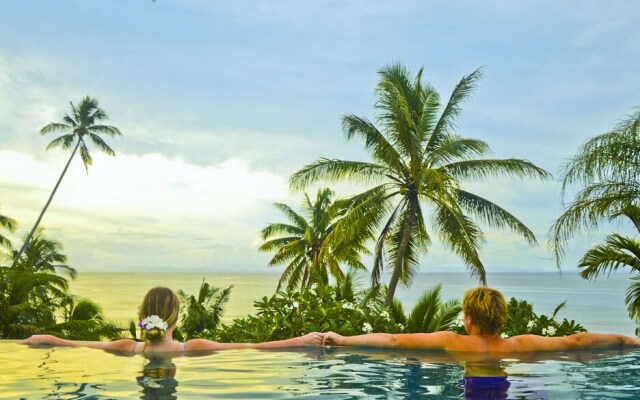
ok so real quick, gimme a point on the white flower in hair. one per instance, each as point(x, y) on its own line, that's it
point(153, 321)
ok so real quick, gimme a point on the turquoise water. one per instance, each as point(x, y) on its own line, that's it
point(598, 305)
point(327, 373)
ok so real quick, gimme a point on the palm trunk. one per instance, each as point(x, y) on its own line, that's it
point(28, 239)
point(406, 236)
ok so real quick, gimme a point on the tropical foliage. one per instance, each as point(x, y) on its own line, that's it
point(199, 316)
point(430, 314)
point(419, 164)
point(33, 295)
point(10, 225)
point(83, 124)
point(522, 320)
point(83, 319)
point(607, 171)
point(306, 244)
point(317, 308)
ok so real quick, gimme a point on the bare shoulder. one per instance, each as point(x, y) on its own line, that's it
point(437, 340)
point(200, 344)
point(538, 343)
point(117, 345)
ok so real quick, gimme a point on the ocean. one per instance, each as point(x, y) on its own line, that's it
point(598, 305)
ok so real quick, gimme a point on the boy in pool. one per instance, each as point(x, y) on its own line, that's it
point(485, 313)
point(158, 317)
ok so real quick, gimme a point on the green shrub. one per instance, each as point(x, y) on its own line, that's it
point(319, 308)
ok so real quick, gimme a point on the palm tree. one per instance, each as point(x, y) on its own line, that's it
point(307, 246)
point(419, 161)
point(607, 168)
point(83, 319)
point(202, 313)
point(22, 310)
point(83, 123)
point(431, 314)
point(45, 254)
point(9, 224)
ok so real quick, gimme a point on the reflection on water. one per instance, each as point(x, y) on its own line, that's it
point(328, 373)
point(158, 379)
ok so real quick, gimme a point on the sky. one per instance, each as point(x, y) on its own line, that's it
point(220, 102)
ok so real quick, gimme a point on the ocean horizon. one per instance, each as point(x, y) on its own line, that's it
point(598, 305)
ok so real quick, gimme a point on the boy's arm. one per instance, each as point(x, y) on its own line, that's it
point(583, 340)
point(311, 339)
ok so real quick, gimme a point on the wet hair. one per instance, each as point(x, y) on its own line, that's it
point(486, 308)
point(162, 302)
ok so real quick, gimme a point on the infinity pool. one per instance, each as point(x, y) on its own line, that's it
point(328, 373)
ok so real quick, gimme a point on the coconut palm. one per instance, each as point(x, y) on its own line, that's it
point(82, 124)
point(419, 165)
point(607, 170)
point(305, 245)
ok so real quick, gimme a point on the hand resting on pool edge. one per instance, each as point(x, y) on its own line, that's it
point(485, 313)
point(158, 317)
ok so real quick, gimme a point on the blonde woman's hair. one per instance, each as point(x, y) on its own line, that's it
point(164, 303)
point(486, 308)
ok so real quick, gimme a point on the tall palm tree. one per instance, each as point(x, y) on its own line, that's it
point(83, 123)
point(418, 161)
point(305, 245)
point(607, 168)
point(9, 224)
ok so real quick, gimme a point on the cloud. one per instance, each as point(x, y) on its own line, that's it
point(143, 207)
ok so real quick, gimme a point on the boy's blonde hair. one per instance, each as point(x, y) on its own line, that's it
point(160, 301)
point(486, 308)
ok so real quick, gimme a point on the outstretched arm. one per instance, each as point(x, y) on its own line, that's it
point(584, 340)
point(311, 339)
point(436, 340)
point(117, 345)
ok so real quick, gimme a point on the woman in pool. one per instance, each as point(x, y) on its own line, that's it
point(158, 317)
point(485, 313)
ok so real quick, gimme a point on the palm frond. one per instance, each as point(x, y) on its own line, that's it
point(97, 140)
point(453, 108)
point(335, 170)
point(452, 148)
point(493, 215)
point(480, 169)
point(632, 298)
point(462, 236)
point(375, 142)
point(616, 252)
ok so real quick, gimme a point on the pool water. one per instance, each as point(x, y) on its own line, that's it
point(328, 373)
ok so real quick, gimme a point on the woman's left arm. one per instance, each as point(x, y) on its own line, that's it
point(117, 345)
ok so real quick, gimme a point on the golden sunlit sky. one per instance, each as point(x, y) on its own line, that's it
point(220, 102)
